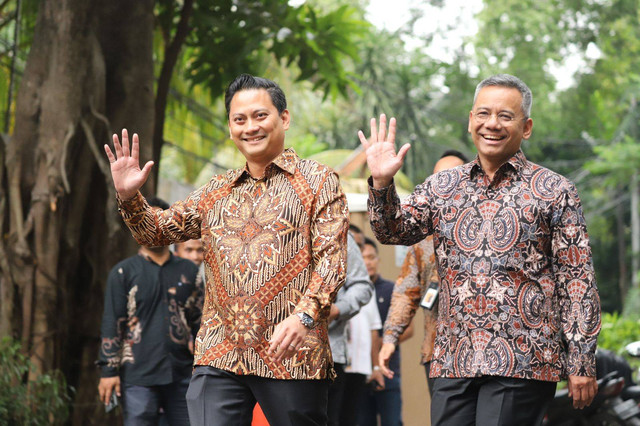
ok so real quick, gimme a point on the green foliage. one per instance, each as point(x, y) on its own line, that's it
point(617, 332)
point(43, 401)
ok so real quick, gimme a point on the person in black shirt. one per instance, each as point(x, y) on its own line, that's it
point(152, 309)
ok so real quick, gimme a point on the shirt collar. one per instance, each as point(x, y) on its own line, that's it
point(287, 161)
point(517, 162)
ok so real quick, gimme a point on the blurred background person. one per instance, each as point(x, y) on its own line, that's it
point(383, 399)
point(150, 311)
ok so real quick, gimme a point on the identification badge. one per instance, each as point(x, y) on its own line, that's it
point(430, 297)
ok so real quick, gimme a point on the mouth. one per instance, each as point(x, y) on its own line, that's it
point(254, 139)
point(493, 138)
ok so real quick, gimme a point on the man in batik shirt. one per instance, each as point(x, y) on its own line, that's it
point(274, 234)
point(519, 307)
point(418, 274)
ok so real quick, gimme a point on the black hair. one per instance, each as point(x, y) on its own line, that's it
point(370, 242)
point(454, 153)
point(247, 82)
point(158, 202)
point(355, 229)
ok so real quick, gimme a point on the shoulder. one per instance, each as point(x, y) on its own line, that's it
point(546, 183)
point(446, 182)
point(185, 265)
point(311, 168)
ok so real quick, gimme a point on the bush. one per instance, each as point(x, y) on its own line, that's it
point(43, 401)
point(617, 332)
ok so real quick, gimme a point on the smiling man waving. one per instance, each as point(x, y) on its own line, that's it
point(518, 307)
point(275, 238)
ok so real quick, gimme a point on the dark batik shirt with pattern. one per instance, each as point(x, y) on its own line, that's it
point(518, 296)
point(150, 315)
point(273, 246)
point(418, 272)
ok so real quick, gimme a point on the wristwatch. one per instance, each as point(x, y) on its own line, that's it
point(306, 320)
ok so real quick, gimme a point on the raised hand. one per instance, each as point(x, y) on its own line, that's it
point(127, 176)
point(382, 158)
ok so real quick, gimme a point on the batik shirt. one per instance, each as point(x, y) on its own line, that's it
point(518, 296)
point(273, 246)
point(150, 314)
point(418, 272)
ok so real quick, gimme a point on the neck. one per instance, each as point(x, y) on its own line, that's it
point(256, 170)
point(159, 255)
point(374, 277)
point(490, 166)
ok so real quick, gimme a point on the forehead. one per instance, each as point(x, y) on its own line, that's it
point(498, 97)
point(250, 99)
point(368, 250)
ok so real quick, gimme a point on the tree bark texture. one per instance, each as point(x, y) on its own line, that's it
point(89, 73)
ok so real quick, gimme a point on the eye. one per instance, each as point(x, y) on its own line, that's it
point(482, 114)
point(238, 120)
point(505, 117)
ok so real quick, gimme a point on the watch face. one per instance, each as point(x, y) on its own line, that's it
point(305, 319)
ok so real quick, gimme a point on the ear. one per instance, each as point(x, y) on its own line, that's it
point(470, 118)
point(285, 116)
point(528, 127)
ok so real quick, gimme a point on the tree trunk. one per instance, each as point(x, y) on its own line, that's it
point(623, 286)
point(89, 71)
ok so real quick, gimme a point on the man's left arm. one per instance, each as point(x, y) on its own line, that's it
point(329, 225)
point(579, 300)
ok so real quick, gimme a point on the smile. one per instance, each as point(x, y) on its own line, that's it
point(254, 139)
point(492, 137)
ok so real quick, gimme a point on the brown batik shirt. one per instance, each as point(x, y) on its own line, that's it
point(518, 296)
point(418, 272)
point(274, 246)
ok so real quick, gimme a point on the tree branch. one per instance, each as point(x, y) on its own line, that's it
point(170, 58)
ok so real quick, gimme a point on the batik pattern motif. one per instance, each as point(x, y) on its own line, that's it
point(518, 296)
point(274, 246)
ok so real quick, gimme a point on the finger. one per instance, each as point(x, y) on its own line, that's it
point(125, 143)
point(363, 140)
point(578, 399)
point(403, 151)
point(392, 131)
point(374, 130)
point(117, 146)
point(118, 389)
point(107, 396)
point(110, 156)
point(135, 147)
point(386, 372)
point(382, 129)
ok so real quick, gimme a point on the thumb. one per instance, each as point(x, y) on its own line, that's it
point(403, 151)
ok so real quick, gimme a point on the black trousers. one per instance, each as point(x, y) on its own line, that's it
point(354, 388)
point(490, 401)
point(217, 397)
point(336, 395)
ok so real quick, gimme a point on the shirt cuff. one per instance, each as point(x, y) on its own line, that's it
point(581, 364)
point(309, 307)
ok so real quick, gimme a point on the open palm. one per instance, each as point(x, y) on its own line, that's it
point(382, 158)
point(127, 176)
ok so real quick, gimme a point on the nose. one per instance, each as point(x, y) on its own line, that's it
point(493, 121)
point(252, 126)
